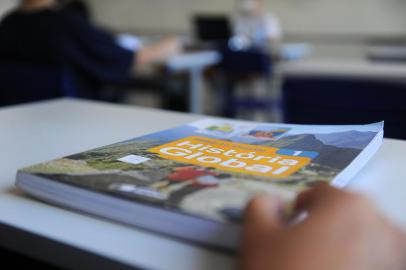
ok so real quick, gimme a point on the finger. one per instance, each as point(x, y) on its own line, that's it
point(263, 215)
point(261, 221)
point(316, 197)
point(304, 197)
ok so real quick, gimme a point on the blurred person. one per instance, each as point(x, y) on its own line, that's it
point(253, 47)
point(44, 33)
point(255, 27)
point(343, 231)
point(125, 40)
point(78, 6)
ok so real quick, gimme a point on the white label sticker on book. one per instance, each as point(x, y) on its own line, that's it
point(133, 159)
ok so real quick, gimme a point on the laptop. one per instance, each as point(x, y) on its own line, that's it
point(210, 30)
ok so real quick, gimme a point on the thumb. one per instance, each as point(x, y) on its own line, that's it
point(319, 197)
point(262, 220)
point(263, 215)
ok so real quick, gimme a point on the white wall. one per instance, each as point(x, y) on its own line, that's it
point(363, 17)
point(368, 17)
point(6, 5)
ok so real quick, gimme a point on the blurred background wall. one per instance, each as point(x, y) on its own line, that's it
point(346, 18)
point(6, 5)
point(338, 17)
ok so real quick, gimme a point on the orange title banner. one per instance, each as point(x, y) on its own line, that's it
point(231, 156)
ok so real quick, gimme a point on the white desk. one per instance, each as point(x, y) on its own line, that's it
point(192, 63)
point(195, 63)
point(38, 132)
point(358, 68)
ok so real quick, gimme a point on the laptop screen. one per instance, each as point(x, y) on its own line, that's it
point(212, 27)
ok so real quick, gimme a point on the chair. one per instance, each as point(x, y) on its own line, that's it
point(238, 66)
point(343, 100)
point(21, 82)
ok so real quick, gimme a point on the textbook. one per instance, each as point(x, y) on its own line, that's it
point(193, 181)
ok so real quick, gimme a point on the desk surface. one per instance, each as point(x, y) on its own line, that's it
point(42, 131)
point(359, 68)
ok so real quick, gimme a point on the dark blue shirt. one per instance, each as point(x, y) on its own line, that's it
point(65, 40)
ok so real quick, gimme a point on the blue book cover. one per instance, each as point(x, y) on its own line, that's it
point(211, 168)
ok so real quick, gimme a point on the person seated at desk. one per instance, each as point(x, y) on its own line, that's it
point(254, 27)
point(77, 6)
point(43, 33)
point(343, 231)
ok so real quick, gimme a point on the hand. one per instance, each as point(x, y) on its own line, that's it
point(170, 46)
point(343, 231)
point(158, 52)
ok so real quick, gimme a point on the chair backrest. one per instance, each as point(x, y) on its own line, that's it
point(212, 28)
point(245, 62)
point(343, 100)
point(20, 82)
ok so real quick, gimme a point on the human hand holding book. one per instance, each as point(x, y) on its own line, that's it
point(342, 231)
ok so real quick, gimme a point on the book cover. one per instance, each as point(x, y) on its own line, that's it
point(211, 168)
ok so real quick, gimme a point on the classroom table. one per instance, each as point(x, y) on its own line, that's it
point(352, 68)
point(193, 64)
point(42, 131)
point(355, 68)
